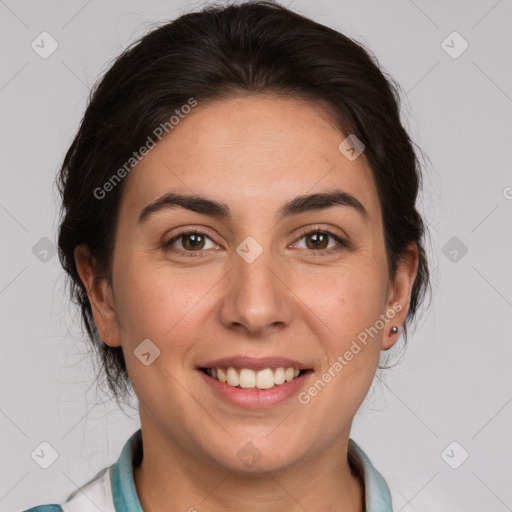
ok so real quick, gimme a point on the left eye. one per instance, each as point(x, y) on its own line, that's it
point(318, 240)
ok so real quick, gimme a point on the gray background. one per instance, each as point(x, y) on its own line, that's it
point(453, 382)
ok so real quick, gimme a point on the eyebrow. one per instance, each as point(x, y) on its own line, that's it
point(299, 204)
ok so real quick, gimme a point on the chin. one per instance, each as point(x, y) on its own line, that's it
point(253, 457)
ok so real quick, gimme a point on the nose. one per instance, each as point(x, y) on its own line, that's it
point(258, 298)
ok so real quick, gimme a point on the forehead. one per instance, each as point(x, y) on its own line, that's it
point(251, 150)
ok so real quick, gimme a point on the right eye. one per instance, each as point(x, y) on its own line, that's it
point(192, 243)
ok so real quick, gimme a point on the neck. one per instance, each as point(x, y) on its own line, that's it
point(170, 477)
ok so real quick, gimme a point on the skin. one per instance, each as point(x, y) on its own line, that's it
point(290, 302)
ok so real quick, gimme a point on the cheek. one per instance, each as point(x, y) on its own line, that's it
point(346, 311)
point(161, 303)
point(347, 300)
point(153, 303)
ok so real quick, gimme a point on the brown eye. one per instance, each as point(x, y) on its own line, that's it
point(317, 242)
point(192, 241)
point(189, 243)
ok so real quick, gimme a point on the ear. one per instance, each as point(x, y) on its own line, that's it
point(100, 296)
point(399, 295)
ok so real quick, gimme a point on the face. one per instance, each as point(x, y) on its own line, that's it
point(258, 282)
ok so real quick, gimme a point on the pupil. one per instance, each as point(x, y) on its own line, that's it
point(318, 239)
point(190, 240)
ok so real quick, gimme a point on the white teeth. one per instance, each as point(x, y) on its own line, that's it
point(247, 378)
point(279, 376)
point(221, 375)
point(265, 379)
point(233, 379)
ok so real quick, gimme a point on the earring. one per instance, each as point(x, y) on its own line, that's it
point(107, 334)
point(394, 329)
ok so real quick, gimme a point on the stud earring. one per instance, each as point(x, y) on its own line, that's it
point(107, 334)
point(394, 329)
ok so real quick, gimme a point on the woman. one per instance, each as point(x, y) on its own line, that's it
point(240, 231)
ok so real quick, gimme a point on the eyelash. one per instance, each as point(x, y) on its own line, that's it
point(343, 244)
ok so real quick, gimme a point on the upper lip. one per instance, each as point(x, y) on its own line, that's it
point(255, 363)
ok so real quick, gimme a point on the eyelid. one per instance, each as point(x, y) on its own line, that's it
point(342, 242)
point(313, 228)
point(187, 231)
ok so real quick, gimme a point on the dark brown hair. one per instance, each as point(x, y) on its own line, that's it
point(253, 47)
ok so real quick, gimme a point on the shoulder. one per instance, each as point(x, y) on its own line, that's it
point(45, 508)
point(96, 491)
point(111, 489)
point(376, 491)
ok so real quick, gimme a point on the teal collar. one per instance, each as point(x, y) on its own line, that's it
point(376, 491)
point(124, 494)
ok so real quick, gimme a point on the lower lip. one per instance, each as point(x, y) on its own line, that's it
point(256, 398)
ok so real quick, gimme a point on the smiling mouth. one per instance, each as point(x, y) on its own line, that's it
point(245, 378)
